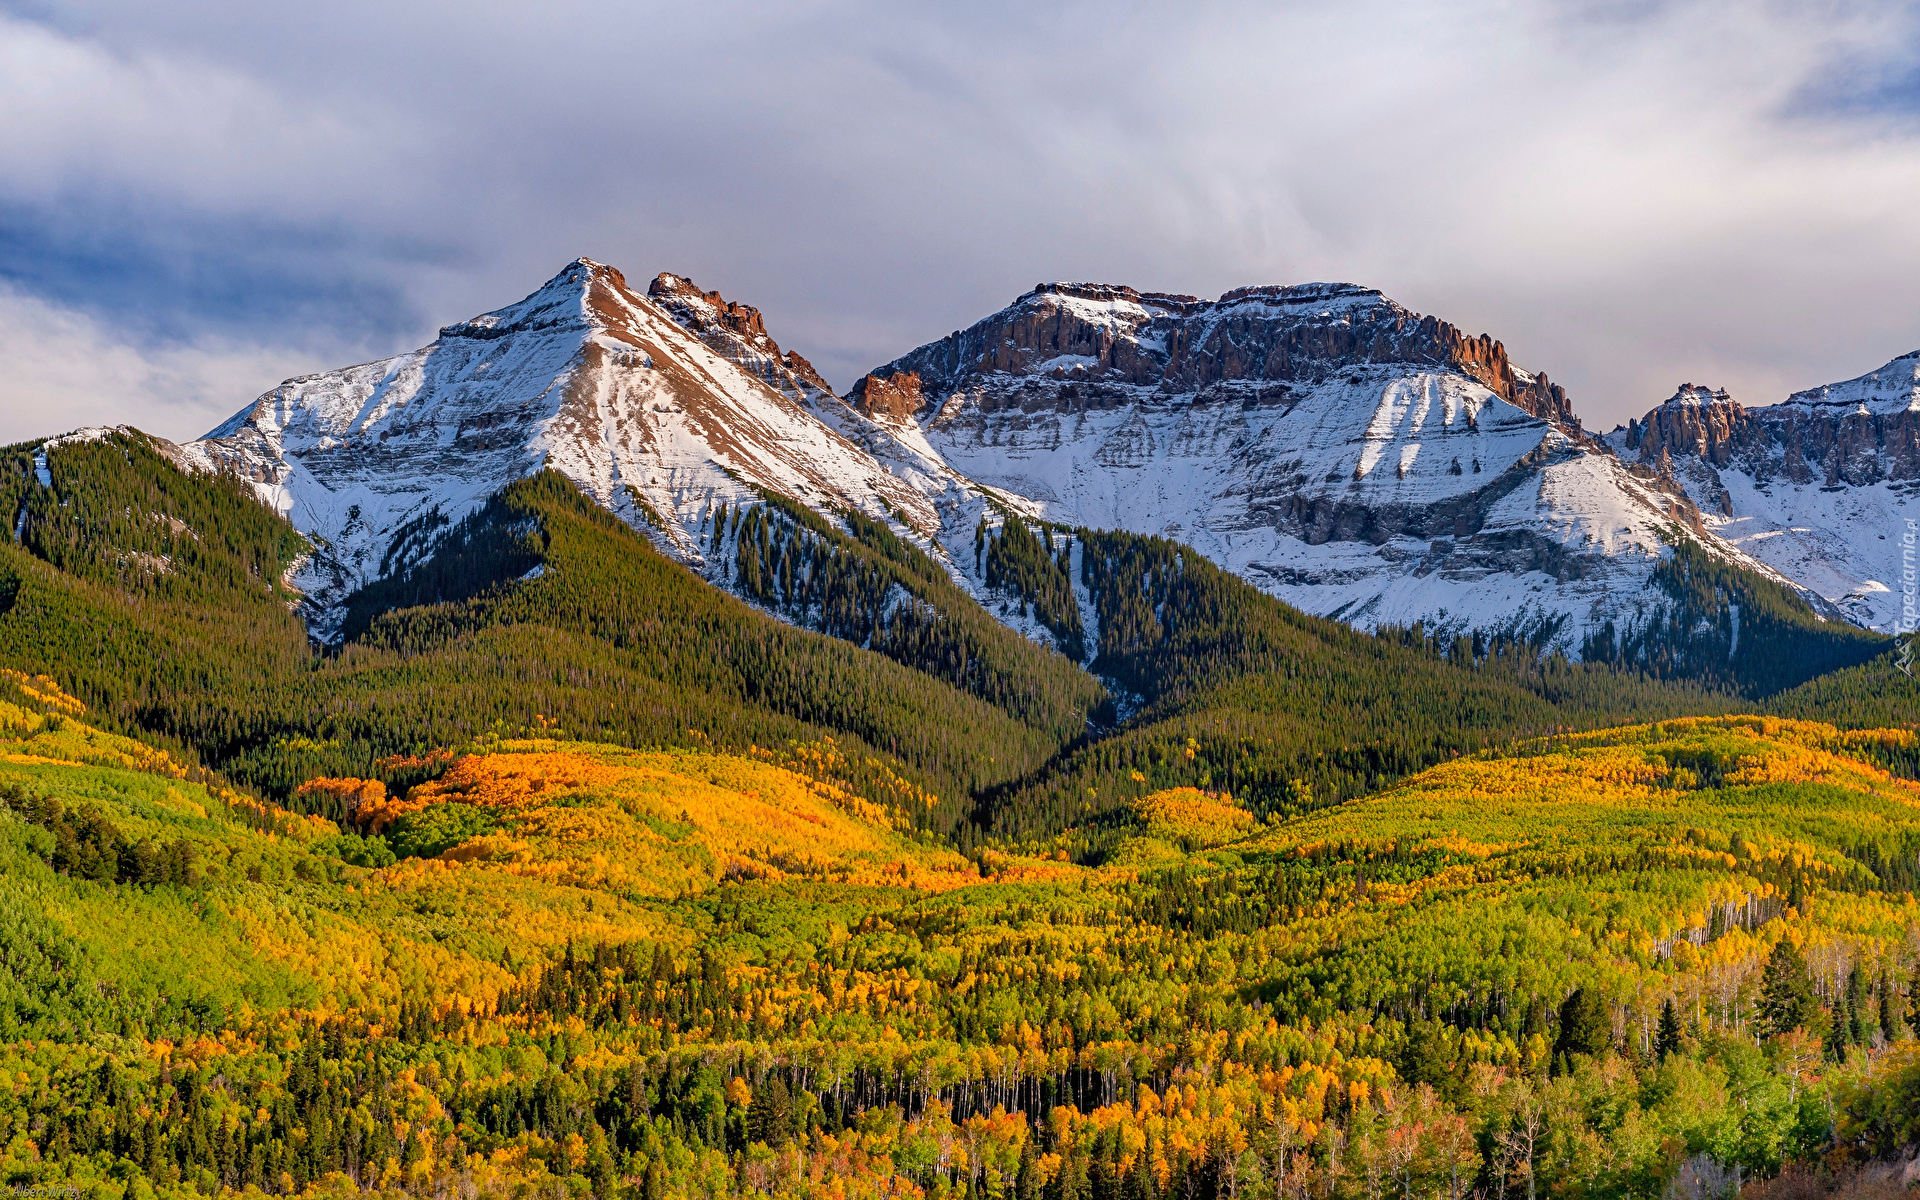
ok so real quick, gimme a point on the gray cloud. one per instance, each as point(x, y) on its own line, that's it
point(1628, 194)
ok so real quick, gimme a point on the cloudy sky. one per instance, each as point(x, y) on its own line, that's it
point(202, 197)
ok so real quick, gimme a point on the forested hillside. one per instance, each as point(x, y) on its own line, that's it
point(874, 589)
point(568, 874)
point(174, 621)
point(1239, 692)
point(1236, 691)
point(1608, 965)
point(157, 597)
point(1729, 626)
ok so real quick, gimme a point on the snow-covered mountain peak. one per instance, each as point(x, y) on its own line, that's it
point(661, 410)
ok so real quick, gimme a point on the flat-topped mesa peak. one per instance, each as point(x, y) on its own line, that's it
point(732, 329)
point(1302, 293)
point(1098, 345)
point(1115, 293)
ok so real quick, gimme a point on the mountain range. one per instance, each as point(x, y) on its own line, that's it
point(1353, 458)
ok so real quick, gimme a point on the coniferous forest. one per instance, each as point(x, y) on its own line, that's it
point(565, 874)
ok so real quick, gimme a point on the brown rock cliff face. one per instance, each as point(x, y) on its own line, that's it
point(890, 397)
point(1802, 441)
point(1252, 343)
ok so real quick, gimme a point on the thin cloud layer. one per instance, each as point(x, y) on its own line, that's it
point(1629, 195)
point(65, 370)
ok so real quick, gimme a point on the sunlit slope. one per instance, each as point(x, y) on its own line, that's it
point(657, 823)
point(252, 909)
point(610, 966)
point(1651, 861)
point(1756, 793)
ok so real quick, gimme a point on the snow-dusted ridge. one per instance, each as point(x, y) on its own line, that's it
point(1353, 458)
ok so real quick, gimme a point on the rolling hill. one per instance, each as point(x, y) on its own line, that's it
point(1611, 961)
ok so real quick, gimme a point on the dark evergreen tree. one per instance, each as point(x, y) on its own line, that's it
point(1026, 1181)
point(1786, 993)
point(1586, 1024)
point(1667, 1040)
point(1859, 1012)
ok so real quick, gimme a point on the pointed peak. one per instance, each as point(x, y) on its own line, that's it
point(566, 301)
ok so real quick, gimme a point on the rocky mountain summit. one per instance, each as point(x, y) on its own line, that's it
point(659, 406)
point(1353, 458)
point(1077, 346)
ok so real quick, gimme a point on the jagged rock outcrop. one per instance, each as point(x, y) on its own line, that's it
point(894, 397)
point(1698, 421)
point(734, 330)
point(1835, 435)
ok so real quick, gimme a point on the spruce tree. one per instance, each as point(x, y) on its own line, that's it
point(1786, 994)
point(1859, 1029)
point(1837, 1023)
point(1586, 1025)
point(1026, 1184)
point(1140, 1182)
point(1667, 1041)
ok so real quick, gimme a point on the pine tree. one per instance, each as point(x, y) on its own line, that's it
point(1667, 1041)
point(1586, 1025)
point(1889, 1011)
point(1786, 994)
point(1858, 1014)
point(1837, 1023)
point(1140, 1185)
point(1026, 1184)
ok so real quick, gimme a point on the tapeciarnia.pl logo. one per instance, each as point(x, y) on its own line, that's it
point(1909, 587)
